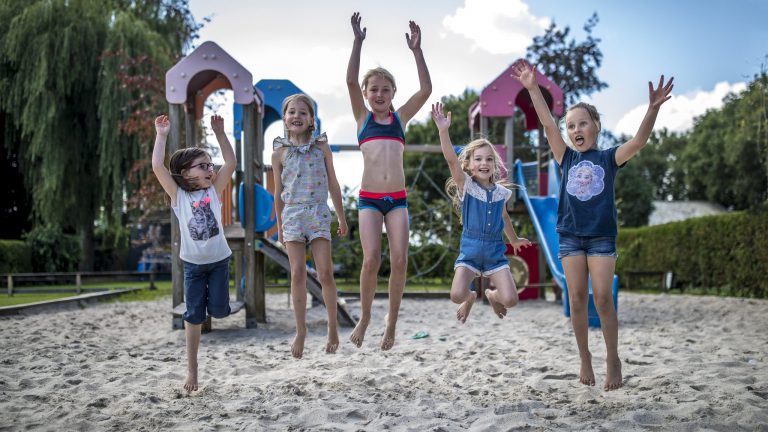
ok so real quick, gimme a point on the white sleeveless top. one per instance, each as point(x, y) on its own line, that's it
point(202, 234)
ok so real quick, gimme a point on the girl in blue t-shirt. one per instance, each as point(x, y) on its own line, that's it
point(480, 196)
point(586, 214)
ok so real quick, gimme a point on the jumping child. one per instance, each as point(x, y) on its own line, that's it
point(479, 195)
point(195, 188)
point(586, 213)
point(382, 199)
point(302, 167)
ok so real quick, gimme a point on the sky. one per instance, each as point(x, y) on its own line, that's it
point(711, 48)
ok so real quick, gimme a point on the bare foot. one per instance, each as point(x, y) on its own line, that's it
point(498, 308)
point(333, 342)
point(297, 347)
point(358, 334)
point(463, 312)
point(586, 375)
point(190, 384)
point(613, 374)
point(388, 340)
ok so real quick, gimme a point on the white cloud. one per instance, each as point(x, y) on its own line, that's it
point(677, 114)
point(496, 26)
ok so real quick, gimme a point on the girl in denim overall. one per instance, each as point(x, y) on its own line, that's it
point(480, 196)
point(302, 167)
point(586, 213)
point(195, 188)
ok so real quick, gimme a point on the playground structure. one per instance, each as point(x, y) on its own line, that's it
point(209, 68)
point(188, 84)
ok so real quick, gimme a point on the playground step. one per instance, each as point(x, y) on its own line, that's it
point(236, 306)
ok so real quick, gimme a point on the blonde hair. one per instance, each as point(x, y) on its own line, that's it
point(300, 97)
point(381, 72)
point(465, 158)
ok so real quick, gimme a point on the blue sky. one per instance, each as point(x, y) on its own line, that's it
point(711, 48)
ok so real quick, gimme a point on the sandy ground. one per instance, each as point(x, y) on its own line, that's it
point(690, 363)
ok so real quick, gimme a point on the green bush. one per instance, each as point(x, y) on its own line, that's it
point(15, 257)
point(52, 250)
point(723, 254)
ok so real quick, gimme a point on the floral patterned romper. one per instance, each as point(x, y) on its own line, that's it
point(306, 215)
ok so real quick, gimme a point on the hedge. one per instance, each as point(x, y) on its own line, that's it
point(723, 254)
point(15, 256)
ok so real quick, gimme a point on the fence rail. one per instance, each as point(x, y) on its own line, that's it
point(14, 279)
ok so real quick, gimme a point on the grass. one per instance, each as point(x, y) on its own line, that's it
point(165, 289)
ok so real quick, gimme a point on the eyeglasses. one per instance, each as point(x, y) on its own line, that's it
point(205, 166)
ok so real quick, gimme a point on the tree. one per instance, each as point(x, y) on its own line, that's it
point(62, 65)
point(571, 65)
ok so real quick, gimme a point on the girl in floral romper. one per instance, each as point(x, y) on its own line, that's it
point(302, 167)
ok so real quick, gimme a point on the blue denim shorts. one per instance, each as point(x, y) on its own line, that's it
point(483, 257)
point(573, 245)
point(206, 286)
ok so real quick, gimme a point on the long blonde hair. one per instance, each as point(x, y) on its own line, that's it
point(465, 158)
point(380, 71)
point(301, 97)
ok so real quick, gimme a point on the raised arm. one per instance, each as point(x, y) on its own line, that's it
point(277, 173)
point(162, 128)
point(443, 122)
point(230, 160)
point(334, 189)
point(353, 72)
point(414, 104)
point(656, 97)
point(526, 74)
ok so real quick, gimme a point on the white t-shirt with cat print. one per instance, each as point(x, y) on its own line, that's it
point(202, 234)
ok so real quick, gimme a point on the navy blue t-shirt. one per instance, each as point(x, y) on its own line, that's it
point(587, 204)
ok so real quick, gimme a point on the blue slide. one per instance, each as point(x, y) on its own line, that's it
point(543, 212)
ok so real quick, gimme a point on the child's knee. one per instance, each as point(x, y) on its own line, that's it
point(219, 311)
point(371, 263)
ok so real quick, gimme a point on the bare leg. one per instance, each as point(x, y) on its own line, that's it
point(602, 268)
point(370, 222)
point(461, 294)
point(575, 268)
point(192, 333)
point(296, 257)
point(397, 236)
point(505, 294)
point(321, 253)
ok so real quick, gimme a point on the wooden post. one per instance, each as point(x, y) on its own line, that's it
point(152, 281)
point(177, 269)
point(10, 284)
point(255, 310)
point(78, 283)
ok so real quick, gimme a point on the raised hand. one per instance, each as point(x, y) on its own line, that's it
point(442, 121)
point(525, 73)
point(217, 124)
point(660, 94)
point(359, 34)
point(414, 39)
point(162, 125)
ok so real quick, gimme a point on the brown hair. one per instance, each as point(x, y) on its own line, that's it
point(182, 160)
point(465, 158)
point(380, 71)
point(301, 97)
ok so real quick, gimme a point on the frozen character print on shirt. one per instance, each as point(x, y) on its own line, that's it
point(202, 225)
point(585, 180)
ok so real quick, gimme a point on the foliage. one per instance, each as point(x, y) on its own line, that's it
point(76, 77)
point(695, 251)
point(52, 250)
point(15, 257)
point(726, 159)
point(571, 65)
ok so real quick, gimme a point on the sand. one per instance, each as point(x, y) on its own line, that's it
point(690, 363)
